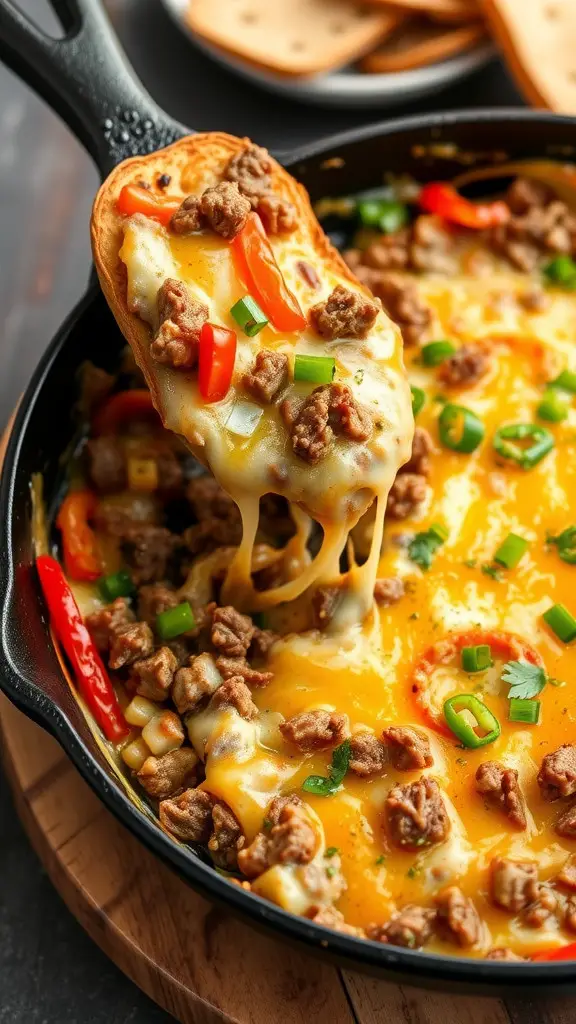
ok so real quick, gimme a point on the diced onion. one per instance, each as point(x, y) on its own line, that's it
point(163, 733)
point(135, 753)
point(140, 711)
point(244, 418)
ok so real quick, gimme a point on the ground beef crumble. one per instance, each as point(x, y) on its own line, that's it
point(368, 755)
point(155, 598)
point(233, 693)
point(225, 209)
point(147, 550)
point(268, 376)
point(195, 682)
point(250, 169)
point(232, 632)
point(466, 367)
point(227, 838)
point(105, 623)
point(388, 590)
point(344, 314)
point(188, 816)
point(513, 883)
point(408, 749)
point(422, 448)
point(187, 218)
point(557, 775)
point(181, 319)
point(166, 776)
point(407, 492)
point(329, 410)
point(458, 917)
point(401, 300)
point(106, 464)
point(415, 815)
point(315, 730)
point(153, 675)
point(501, 786)
point(129, 643)
point(411, 928)
point(279, 216)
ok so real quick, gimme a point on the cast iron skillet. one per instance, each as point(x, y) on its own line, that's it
point(86, 79)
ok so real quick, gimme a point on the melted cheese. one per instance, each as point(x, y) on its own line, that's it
point(336, 491)
point(365, 672)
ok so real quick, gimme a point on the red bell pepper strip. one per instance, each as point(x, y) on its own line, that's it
point(560, 953)
point(502, 645)
point(79, 543)
point(121, 408)
point(68, 625)
point(135, 199)
point(443, 199)
point(263, 278)
point(216, 355)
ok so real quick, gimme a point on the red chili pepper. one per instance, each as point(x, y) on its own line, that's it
point(257, 265)
point(443, 199)
point(560, 953)
point(122, 407)
point(135, 199)
point(79, 543)
point(216, 355)
point(502, 644)
point(91, 676)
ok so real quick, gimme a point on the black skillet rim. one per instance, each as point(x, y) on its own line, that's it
point(484, 977)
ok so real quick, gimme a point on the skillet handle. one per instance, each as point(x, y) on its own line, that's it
point(86, 78)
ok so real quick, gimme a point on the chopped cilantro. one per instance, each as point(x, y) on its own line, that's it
point(380, 859)
point(332, 851)
point(266, 824)
point(492, 570)
point(330, 871)
point(470, 563)
point(424, 545)
point(413, 871)
point(526, 680)
point(414, 615)
point(359, 376)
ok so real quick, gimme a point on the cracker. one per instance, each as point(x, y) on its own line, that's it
point(419, 43)
point(292, 37)
point(538, 39)
point(443, 10)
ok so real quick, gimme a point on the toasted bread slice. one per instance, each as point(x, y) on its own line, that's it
point(420, 43)
point(293, 38)
point(135, 255)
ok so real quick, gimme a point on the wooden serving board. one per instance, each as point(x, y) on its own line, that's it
point(195, 960)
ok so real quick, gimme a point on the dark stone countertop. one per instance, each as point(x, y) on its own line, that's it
point(50, 972)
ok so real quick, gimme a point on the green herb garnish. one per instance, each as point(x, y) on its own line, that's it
point(526, 680)
point(327, 786)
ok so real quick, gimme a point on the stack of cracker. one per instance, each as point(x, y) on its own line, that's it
point(302, 38)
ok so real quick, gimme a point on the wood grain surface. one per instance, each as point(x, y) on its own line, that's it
point(195, 960)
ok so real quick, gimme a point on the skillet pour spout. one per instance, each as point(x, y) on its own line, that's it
point(96, 104)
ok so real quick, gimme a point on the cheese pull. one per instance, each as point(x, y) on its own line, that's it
point(331, 440)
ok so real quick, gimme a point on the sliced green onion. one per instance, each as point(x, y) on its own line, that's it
point(244, 418)
point(386, 214)
point(565, 380)
point(476, 659)
point(175, 621)
point(315, 369)
point(418, 400)
point(463, 729)
point(117, 584)
point(248, 315)
point(511, 551)
point(438, 532)
point(460, 429)
point(435, 352)
point(566, 544)
point(554, 406)
point(526, 458)
point(561, 622)
point(561, 270)
point(524, 710)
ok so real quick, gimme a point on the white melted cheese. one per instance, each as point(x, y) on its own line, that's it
point(337, 490)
